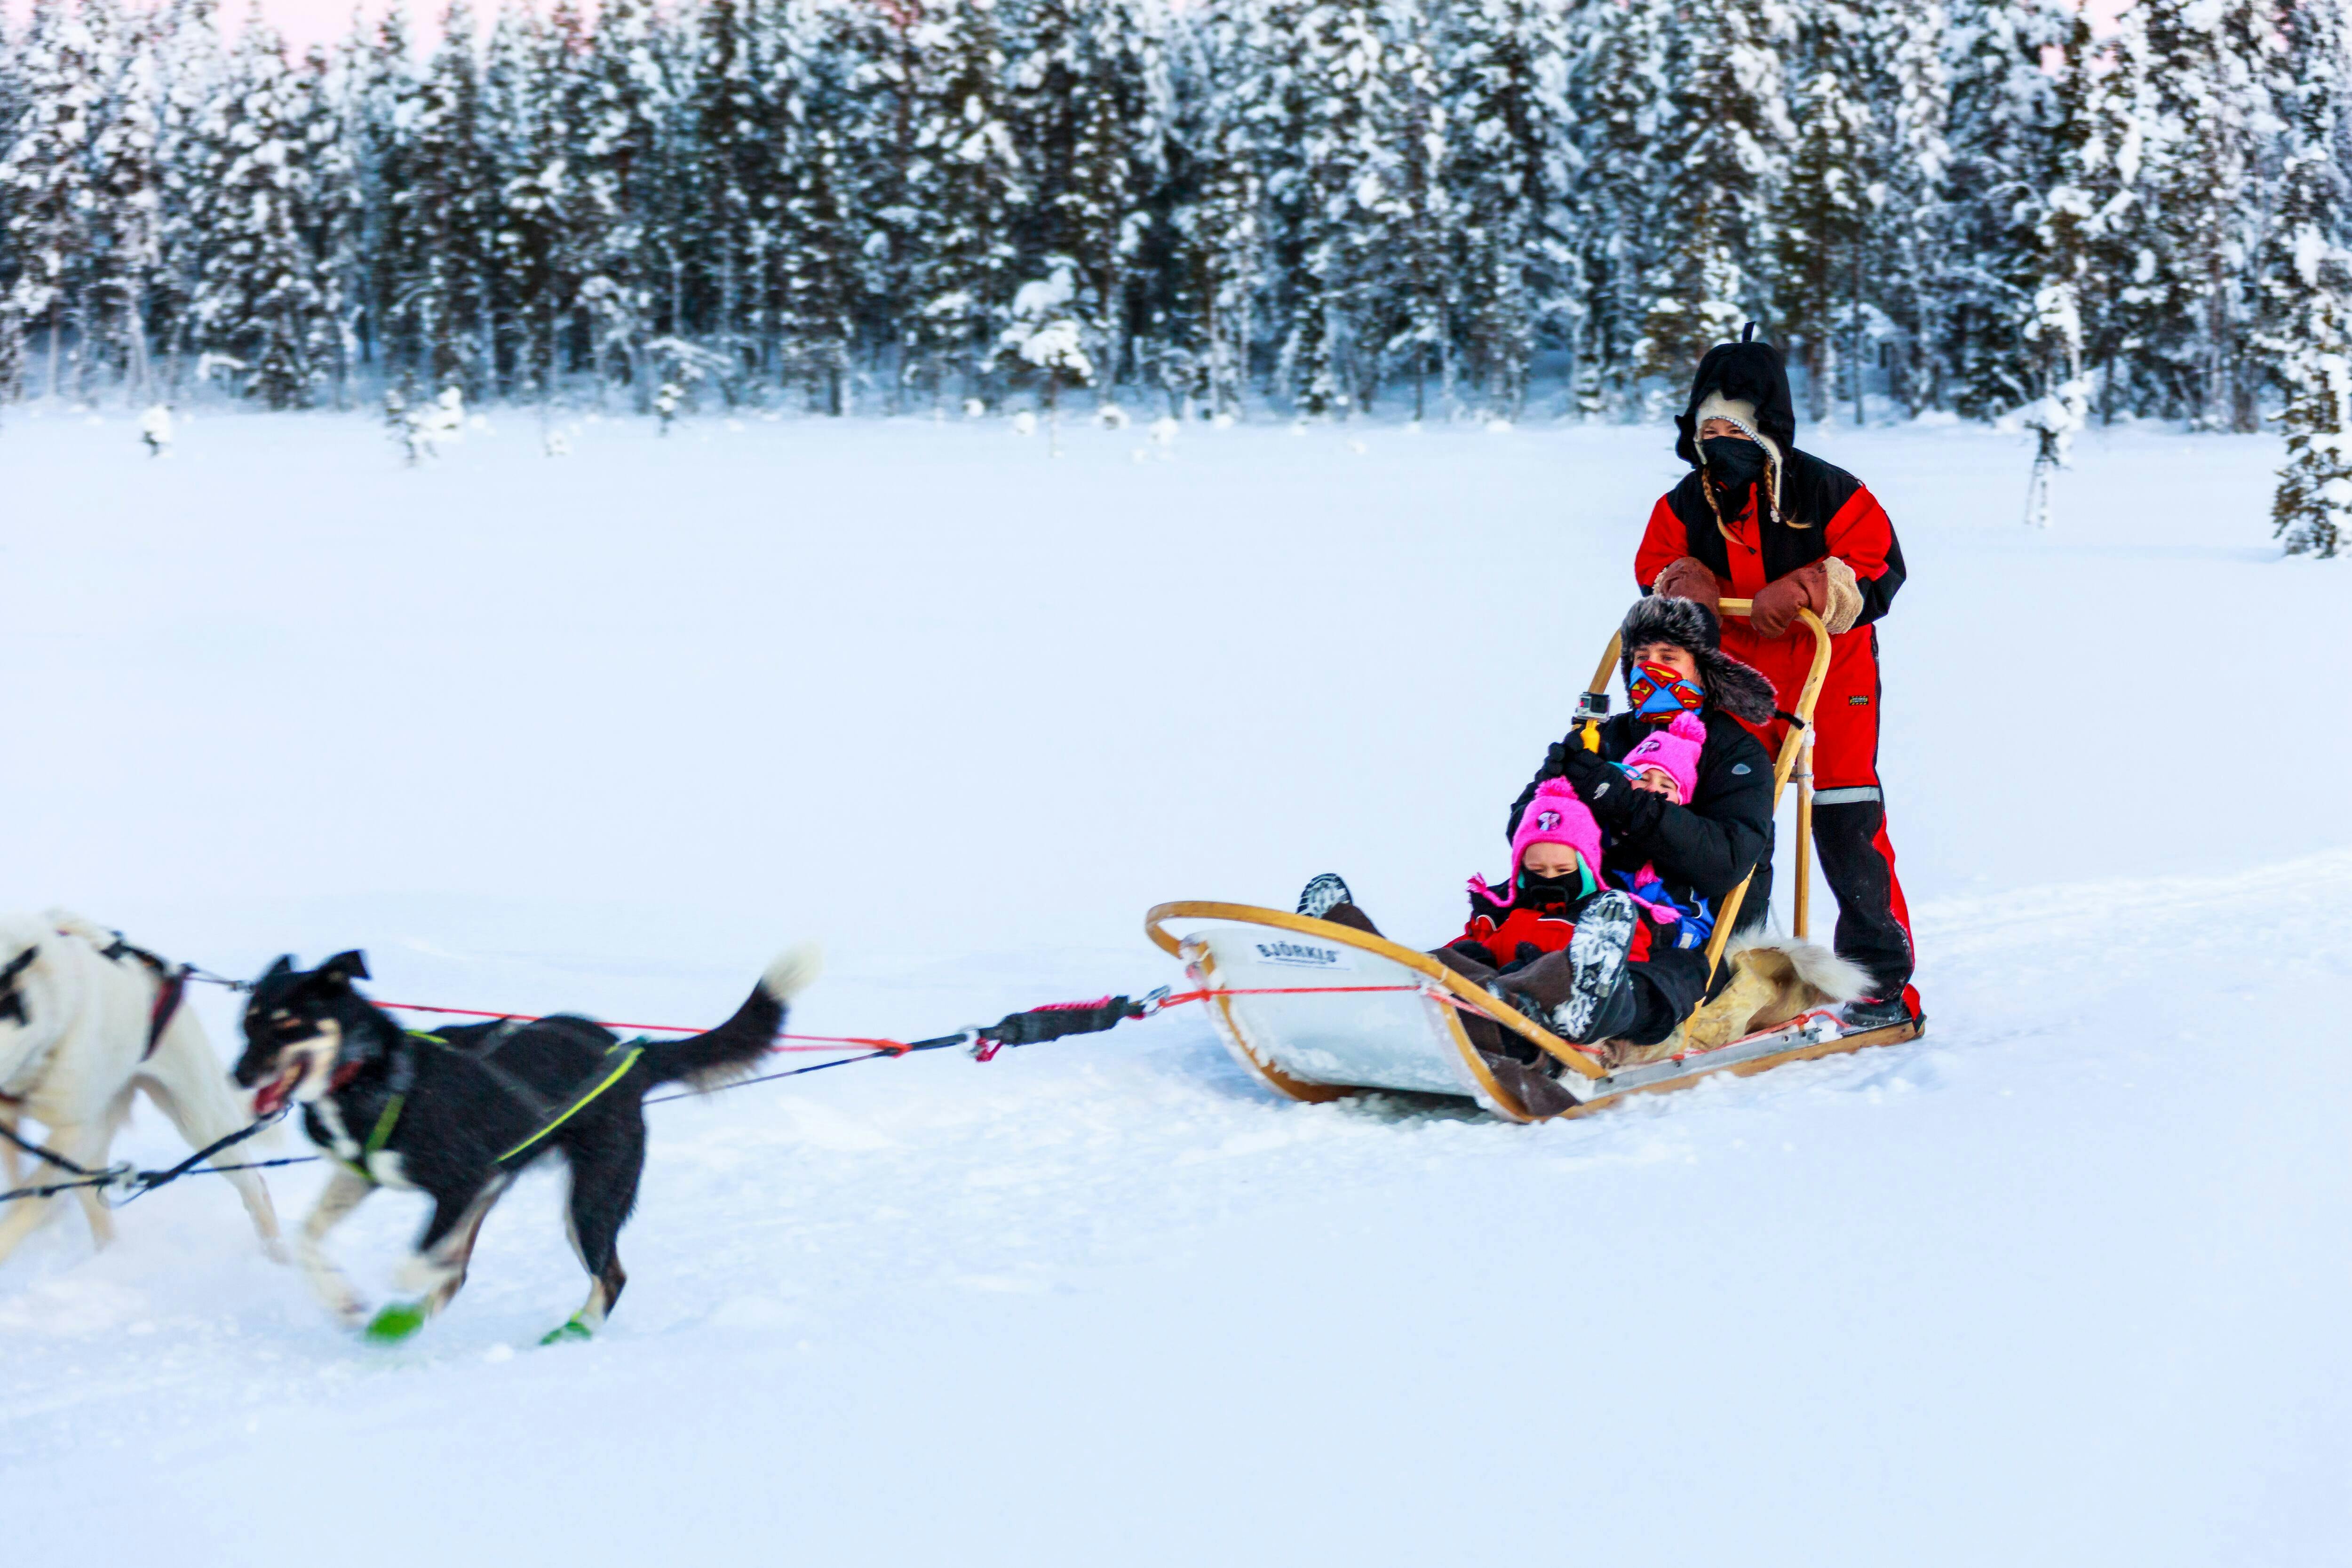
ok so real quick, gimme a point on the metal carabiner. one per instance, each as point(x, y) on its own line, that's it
point(121, 1184)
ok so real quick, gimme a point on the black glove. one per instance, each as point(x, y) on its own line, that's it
point(1586, 770)
point(1630, 815)
point(1526, 953)
point(1602, 785)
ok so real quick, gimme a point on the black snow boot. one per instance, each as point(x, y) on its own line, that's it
point(1323, 894)
point(1876, 1013)
point(1600, 1003)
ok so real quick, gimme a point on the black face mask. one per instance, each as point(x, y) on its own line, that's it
point(1545, 892)
point(1735, 461)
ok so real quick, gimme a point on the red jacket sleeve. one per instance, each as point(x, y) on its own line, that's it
point(1860, 535)
point(1663, 544)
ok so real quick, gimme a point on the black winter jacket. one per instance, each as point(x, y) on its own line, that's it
point(1704, 848)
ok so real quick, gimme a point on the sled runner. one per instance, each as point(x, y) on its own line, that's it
point(1318, 1011)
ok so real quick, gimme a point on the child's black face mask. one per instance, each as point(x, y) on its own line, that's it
point(1545, 892)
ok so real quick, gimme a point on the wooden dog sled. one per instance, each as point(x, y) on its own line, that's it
point(1319, 1011)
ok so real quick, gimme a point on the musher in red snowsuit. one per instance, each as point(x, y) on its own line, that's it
point(1757, 519)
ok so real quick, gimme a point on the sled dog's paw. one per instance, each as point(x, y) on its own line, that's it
point(395, 1322)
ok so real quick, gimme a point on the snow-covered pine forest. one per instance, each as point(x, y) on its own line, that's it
point(1481, 208)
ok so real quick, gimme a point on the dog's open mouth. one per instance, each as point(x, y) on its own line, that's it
point(272, 1095)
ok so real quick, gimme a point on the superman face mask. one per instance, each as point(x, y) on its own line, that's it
point(1658, 692)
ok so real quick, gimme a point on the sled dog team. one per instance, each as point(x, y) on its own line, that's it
point(1620, 859)
point(87, 1023)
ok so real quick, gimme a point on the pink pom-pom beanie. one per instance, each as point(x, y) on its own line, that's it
point(1557, 815)
point(1673, 750)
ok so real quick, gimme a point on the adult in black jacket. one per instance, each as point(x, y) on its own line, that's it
point(1700, 851)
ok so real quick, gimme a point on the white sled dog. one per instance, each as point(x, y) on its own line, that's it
point(77, 1035)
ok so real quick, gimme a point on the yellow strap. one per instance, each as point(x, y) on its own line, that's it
point(578, 1105)
point(384, 1123)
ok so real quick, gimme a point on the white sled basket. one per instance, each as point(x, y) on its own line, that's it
point(1317, 1010)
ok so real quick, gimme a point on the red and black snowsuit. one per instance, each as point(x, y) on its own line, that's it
point(1821, 514)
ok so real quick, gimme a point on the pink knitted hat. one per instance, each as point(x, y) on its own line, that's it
point(1556, 815)
point(1674, 751)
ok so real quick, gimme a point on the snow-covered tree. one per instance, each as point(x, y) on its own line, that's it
point(1413, 285)
point(1508, 183)
point(443, 211)
point(1826, 209)
point(966, 183)
point(1044, 340)
point(45, 174)
point(2053, 329)
point(1347, 184)
point(2004, 118)
point(257, 303)
point(1618, 102)
point(737, 169)
point(1909, 234)
point(2207, 78)
point(1724, 155)
point(815, 262)
point(2306, 315)
point(1217, 243)
point(190, 62)
point(619, 109)
point(1088, 105)
point(126, 196)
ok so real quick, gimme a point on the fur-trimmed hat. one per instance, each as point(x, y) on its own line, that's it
point(1740, 689)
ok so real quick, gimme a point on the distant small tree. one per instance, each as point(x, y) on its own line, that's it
point(1046, 338)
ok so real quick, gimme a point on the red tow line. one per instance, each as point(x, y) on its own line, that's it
point(897, 1048)
point(900, 1048)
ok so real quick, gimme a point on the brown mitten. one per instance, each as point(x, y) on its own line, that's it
point(1777, 602)
point(1688, 578)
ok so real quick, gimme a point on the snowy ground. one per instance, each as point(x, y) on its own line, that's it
point(2065, 1283)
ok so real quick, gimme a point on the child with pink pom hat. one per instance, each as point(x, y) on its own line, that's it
point(1555, 866)
point(1667, 761)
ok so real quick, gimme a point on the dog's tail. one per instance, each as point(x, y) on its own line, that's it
point(731, 1050)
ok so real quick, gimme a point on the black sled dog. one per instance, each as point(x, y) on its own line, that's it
point(457, 1113)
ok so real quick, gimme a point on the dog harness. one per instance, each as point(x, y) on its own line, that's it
point(551, 1113)
point(171, 987)
point(171, 990)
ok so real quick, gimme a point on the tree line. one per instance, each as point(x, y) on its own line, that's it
point(1473, 207)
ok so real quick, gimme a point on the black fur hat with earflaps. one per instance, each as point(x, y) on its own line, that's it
point(1740, 689)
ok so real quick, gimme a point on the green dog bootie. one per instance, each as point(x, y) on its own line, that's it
point(572, 1330)
point(395, 1322)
